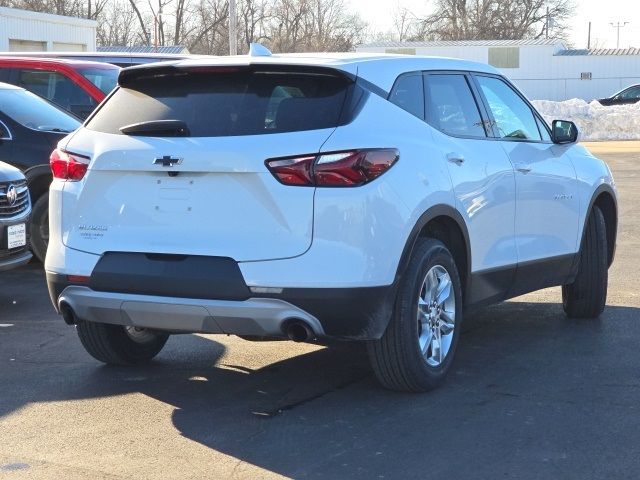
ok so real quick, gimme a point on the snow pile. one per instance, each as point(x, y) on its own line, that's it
point(595, 122)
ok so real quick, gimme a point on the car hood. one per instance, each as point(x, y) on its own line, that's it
point(9, 173)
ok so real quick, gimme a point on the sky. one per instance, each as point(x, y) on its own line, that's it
point(379, 15)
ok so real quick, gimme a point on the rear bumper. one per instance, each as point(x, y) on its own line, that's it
point(345, 313)
point(255, 316)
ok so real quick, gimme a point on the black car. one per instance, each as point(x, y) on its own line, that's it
point(15, 207)
point(30, 128)
point(624, 97)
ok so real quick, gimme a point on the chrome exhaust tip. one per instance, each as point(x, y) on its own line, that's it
point(299, 331)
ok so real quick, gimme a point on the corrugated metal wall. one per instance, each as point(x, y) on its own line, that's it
point(30, 26)
point(545, 76)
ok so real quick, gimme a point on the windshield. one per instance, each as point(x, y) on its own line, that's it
point(105, 79)
point(33, 112)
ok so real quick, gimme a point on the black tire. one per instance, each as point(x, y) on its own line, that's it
point(397, 358)
point(587, 295)
point(39, 227)
point(112, 344)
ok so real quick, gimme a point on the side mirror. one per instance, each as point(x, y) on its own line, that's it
point(564, 131)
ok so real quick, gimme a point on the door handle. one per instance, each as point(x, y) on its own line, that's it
point(455, 157)
point(522, 168)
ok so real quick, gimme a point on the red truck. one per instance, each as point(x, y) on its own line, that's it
point(76, 86)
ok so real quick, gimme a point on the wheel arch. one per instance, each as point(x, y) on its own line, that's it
point(38, 179)
point(444, 223)
point(604, 198)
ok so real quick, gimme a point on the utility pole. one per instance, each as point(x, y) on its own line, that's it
point(233, 27)
point(546, 29)
point(618, 25)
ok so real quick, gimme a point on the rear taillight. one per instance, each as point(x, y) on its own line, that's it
point(68, 166)
point(337, 169)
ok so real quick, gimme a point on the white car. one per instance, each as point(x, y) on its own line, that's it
point(335, 196)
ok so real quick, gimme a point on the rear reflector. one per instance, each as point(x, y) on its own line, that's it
point(68, 166)
point(336, 169)
point(78, 279)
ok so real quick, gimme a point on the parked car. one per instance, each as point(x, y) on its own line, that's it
point(348, 197)
point(627, 96)
point(30, 127)
point(15, 208)
point(120, 59)
point(78, 87)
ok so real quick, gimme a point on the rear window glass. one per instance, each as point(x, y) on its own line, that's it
point(33, 112)
point(227, 103)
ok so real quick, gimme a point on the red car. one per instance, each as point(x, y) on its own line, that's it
point(76, 86)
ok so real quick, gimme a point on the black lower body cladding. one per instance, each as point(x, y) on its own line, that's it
point(345, 313)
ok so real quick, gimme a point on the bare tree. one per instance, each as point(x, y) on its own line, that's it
point(117, 25)
point(494, 19)
point(403, 22)
point(202, 25)
point(313, 25)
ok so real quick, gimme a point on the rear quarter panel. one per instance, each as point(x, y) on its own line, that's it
point(359, 233)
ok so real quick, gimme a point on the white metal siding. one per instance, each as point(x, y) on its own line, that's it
point(37, 27)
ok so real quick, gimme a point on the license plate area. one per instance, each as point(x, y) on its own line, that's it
point(16, 236)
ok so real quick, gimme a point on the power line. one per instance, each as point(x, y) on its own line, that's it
point(618, 26)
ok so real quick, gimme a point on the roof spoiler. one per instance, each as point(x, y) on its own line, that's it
point(129, 75)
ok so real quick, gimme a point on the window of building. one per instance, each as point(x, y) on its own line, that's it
point(504, 57)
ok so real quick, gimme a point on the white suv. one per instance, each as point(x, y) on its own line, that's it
point(346, 196)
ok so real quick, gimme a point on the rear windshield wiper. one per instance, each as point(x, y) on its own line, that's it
point(157, 128)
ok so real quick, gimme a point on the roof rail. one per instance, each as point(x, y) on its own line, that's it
point(258, 50)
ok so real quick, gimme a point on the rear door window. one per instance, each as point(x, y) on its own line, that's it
point(215, 104)
point(58, 89)
point(451, 107)
point(408, 94)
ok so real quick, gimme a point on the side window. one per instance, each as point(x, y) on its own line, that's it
point(408, 94)
point(451, 107)
point(546, 137)
point(631, 93)
point(58, 89)
point(513, 117)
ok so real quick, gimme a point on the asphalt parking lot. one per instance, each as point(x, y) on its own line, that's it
point(531, 395)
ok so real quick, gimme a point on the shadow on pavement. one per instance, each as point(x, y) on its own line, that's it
point(525, 375)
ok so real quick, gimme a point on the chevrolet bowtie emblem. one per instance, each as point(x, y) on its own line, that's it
point(167, 161)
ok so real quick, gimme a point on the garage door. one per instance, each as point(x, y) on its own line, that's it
point(69, 47)
point(26, 46)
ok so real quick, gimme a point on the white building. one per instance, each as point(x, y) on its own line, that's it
point(24, 31)
point(542, 69)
